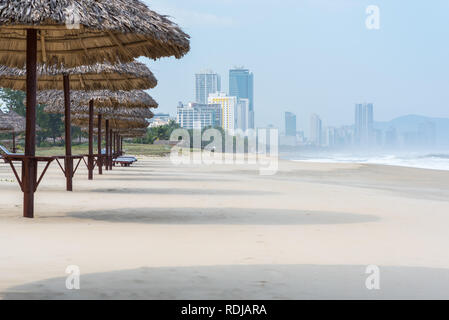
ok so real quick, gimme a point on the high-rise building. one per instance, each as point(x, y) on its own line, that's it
point(241, 85)
point(290, 124)
point(199, 116)
point(315, 130)
point(207, 82)
point(363, 128)
point(228, 105)
point(241, 114)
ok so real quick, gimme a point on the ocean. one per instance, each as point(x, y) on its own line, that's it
point(435, 161)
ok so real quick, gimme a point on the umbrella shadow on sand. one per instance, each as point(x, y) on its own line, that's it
point(225, 216)
point(244, 282)
point(179, 191)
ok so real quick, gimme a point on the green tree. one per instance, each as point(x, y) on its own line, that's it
point(51, 125)
point(14, 100)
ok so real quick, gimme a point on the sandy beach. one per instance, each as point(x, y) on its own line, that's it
point(159, 231)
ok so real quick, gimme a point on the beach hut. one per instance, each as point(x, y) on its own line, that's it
point(121, 76)
point(76, 33)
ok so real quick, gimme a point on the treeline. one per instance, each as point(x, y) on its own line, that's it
point(51, 131)
point(228, 142)
point(51, 125)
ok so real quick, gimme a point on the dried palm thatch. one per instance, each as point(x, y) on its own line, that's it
point(117, 123)
point(83, 32)
point(11, 122)
point(133, 133)
point(125, 133)
point(54, 99)
point(122, 76)
point(111, 113)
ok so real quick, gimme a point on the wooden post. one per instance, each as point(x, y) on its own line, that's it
point(29, 167)
point(90, 161)
point(115, 144)
point(68, 135)
point(100, 156)
point(14, 149)
point(110, 149)
point(120, 144)
point(106, 154)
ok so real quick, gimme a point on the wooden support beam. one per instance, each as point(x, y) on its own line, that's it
point(106, 155)
point(68, 135)
point(90, 161)
point(14, 149)
point(29, 166)
point(110, 149)
point(100, 156)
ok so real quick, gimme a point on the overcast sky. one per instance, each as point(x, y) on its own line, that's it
point(314, 56)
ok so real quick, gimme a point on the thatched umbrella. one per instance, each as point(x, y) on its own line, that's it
point(74, 33)
point(82, 32)
point(116, 125)
point(100, 100)
point(121, 76)
point(125, 133)
point(11, 122)
point(99, 76)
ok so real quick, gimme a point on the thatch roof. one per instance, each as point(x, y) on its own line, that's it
point(54, 99)
point(82, 120)
point(107, 112)
point(83, 32)
point(125, 133)
point(11, 122)
point(122, 76)
point(133, 133)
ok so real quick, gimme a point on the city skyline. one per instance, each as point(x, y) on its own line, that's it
point(334, 62)
point(236, 107)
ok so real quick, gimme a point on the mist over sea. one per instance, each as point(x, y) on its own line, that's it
point(425, 160)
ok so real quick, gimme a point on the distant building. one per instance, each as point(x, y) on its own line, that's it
point(364, 124)
point(198, 116)
point(345, 136)
point(159, 119)
point(315, 130)
point(290, 124)
point(228, 105)
point(206, 82)
point(391, 137)
point(241, 85)
point(241, 116)
point(330, 137)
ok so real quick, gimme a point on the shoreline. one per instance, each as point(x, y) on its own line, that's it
point(158, 231)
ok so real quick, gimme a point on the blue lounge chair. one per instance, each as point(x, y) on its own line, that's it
point(4, 152)
point(124, 161)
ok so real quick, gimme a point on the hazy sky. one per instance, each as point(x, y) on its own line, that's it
point(314, 56)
